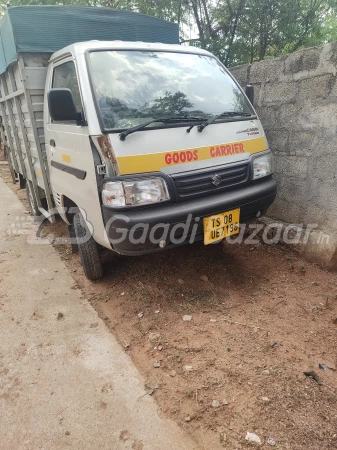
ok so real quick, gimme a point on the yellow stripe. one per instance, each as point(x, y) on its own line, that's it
point(153, 162)
point(66, 158)
point(39, 173)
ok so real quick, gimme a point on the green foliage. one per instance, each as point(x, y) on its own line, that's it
point(251, 30)
point(237, 31)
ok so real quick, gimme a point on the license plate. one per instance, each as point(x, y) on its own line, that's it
point(220, 226)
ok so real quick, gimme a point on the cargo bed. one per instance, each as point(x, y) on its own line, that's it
point(22, 131)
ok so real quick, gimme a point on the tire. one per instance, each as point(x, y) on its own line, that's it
point(88, 249)
point(22, 182)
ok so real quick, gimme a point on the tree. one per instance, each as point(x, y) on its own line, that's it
point(237, 31)
point(240, 31)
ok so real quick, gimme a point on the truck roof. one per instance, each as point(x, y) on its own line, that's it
point(48, 28)
point(81, 47)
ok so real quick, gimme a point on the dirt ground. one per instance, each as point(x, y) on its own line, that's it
point(261, 316)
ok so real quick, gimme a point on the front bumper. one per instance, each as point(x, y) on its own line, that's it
point(139, 231)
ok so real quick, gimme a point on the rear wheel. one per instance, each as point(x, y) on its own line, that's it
point(88, 249)
point(22, 182)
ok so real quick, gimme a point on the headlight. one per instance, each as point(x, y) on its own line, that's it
point(133, 193)
point(262, 166)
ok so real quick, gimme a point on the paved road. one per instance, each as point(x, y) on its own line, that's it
point(65, 383)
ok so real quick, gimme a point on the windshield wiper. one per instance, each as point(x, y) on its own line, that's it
point(177, 119)
point(217, 116)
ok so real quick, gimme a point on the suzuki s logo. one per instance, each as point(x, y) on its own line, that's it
point(216, 180)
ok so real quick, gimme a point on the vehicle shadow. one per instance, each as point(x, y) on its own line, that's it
point(193, 274)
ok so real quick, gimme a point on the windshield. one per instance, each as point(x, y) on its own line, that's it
point(134, 87)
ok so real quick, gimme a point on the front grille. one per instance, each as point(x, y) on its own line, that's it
point(215, 179)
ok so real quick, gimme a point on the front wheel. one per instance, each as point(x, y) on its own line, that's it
point(88, 249)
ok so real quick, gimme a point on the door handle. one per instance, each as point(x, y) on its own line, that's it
point(52, 142)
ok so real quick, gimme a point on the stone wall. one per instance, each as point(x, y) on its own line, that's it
point(296, 99)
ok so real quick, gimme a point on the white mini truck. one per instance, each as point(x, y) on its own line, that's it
point(139, 146)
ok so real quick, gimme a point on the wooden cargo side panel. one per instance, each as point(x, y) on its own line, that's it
point(19, 131)
point(7, 133)
point(33, 70)
point(10, 92)
point(21, 108)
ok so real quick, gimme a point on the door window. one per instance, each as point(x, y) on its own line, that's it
point(65, 77)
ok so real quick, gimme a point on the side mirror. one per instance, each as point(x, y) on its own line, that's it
point(62, 107)
point(250, 93)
